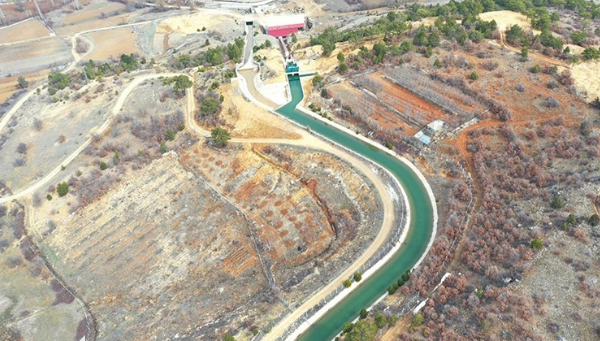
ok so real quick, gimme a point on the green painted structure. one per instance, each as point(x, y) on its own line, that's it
point(421, 223)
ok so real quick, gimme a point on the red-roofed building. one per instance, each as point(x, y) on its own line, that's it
point(281, 26)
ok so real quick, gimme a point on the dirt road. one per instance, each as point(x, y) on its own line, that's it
point(116, 109)
point(533, 54)
point(309, 140)
point(77, 57)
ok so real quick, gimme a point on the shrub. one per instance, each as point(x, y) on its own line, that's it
point(363, 313)
point(347, 283)
point(23, 83)
point(380, 320)
point(103, 165)
point(590, 53)
point(317, 80)
point(220, 136)
point(535, 69)
point(524, 53)
point(62, 189)
point(571, 219)
point(474, 76)
point(552, 102)
point(557, 202)
point(537, 244)
point(49, 197)
point(19, 162)
point(209, 106)
point(393, 288)
point(163, 148)
point(357, 277)
point(170, 136)
point(594, 220)
point(38, 124)
point(552, 84)
point(417, 320)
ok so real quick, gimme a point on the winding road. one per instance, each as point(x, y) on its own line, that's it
point(308, 140)
point(100, 130)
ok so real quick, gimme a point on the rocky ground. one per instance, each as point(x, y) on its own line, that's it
point(52, 133)
point(308, 235)
point(163, 236)
point(183, 246)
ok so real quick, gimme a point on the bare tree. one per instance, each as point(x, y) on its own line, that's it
point(20, 5)
point(19, 162)
point(38, 124)
point(22, 148)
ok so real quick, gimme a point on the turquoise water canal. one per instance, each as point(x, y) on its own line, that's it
point(421, 224)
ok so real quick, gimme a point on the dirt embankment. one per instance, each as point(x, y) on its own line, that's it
point(164, 236)
point(33, 305)
point(313, 207)
point(183, 246)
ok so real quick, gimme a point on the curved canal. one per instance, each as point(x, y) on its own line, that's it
point(421, 223)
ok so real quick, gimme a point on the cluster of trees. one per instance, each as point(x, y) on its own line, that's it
point(180, 83)
point(471, 29)
point(97, 71)
point(125, 63)
point(220, 137)
point(57, 81)
point(152, 131)
point(498, 249)
point(535, 9)
point(399, 283)
point(210, 108)
point(267, 44)
point(392, 25)
point(366, 329)
point(213, 56)
point(590, 53)
point(128, 62)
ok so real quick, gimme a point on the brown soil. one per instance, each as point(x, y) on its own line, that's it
point(505, 19)
point(89, 19)
point(363, 103)
point(274, 62)
point(92, 12)
point(586, 79)
point(112, 43)
point(30, 29)
point(406, 101)
point(249, 120)
point(9, 85)
point(172, 267)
